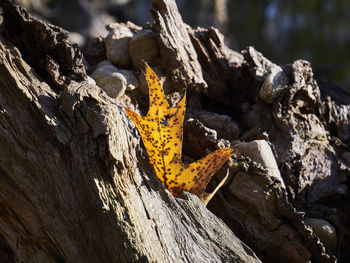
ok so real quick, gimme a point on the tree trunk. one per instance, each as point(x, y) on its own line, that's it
point(74, 187)
point(75, 183)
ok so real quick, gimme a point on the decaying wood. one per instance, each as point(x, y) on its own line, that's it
point(74, 178)
point(42, 46)
point(72, 189)
point(177, 54)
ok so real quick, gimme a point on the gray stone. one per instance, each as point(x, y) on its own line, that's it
point(275, 82)
point(260, 151)
point(143, 48)
point(325, 231)
point(110, 80)
point(117, 44)
point(76, 38)
point(131, 81)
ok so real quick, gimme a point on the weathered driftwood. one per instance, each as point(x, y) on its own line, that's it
point(73, 188)
point(75, 182)
point(177, 54)
point(310, 162)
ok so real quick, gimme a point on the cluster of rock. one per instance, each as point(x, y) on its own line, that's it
point(127, 48)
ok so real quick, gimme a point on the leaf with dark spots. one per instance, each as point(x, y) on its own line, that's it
point(161, 132)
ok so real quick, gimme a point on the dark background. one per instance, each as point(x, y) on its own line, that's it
point(314, 30)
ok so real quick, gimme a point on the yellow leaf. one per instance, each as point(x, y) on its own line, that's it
point(161, 132)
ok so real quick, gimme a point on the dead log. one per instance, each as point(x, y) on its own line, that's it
point(75, 182)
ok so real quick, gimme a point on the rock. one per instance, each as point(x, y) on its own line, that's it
point(131, 81)
point(143, 48)
point(260, 151)
point(324, 231)
point(275, 82)
point(117, 44)
point(76, 38)
point(109, 79)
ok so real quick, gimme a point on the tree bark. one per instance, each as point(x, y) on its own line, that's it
point(75, 183)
